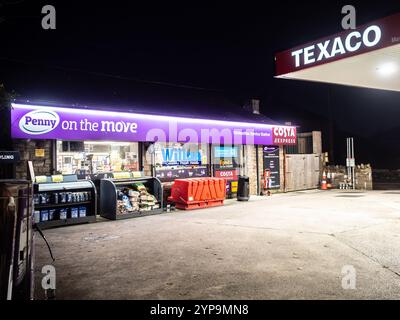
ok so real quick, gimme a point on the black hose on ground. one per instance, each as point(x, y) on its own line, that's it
point(45, 240)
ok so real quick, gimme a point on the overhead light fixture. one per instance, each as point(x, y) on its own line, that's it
point(387, 69)
point(114, 143)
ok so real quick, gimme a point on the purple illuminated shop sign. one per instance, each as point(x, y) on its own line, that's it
point(43, 122)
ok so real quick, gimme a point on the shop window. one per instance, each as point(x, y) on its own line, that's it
point(226, 157)
point(180, 160)
point(92, 157)
point(227, 162)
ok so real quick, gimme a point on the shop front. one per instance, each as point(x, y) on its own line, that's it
point(94, 144)
point(92, 157)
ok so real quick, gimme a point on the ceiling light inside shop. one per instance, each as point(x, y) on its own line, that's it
point(114, 143)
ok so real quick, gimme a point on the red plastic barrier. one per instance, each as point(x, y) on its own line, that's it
point(220, 188)
point(198, 193)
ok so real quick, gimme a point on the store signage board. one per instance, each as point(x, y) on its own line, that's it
point(44, 122)
point(9, 156)
point(370, 37)
point(57, 178)
point(137, 174)
point(39, 153)
point(284, 136)
point(271, 163)
point(227, 174)
point(122, 175)
point(350, 162)
point(234, 186)
point(41, 179)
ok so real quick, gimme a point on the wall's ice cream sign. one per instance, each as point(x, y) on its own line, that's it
point(39, 122)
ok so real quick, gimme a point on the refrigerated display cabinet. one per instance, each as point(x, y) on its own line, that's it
point(64, 203)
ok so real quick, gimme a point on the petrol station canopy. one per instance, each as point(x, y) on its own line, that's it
point(368, 57)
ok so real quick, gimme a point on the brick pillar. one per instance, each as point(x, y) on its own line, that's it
point(282, 167)
point(260, 167)
point(147, 169)
point(42, 165)
point(251, 167)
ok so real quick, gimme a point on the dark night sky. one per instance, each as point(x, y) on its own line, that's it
point(229, 48)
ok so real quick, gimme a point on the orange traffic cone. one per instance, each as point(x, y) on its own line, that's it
point(323, 182)
point(329, 181)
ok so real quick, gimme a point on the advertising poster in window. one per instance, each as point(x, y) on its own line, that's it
point(180, 161)
point(180, 157)
point(226, 162)
point(271, 162)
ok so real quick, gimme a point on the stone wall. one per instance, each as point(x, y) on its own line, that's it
point(147, 158)
point(42, 165)
point(363, 176)
point(386, 176)
point(251, 168)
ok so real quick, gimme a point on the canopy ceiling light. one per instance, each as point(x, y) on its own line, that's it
point(388, 69)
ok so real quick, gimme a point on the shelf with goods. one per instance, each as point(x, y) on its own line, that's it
point(122, 198)
point(63, 201)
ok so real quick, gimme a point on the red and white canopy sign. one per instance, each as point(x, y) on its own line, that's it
point(367, 57)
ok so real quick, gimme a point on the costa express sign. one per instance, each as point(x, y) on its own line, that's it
point(284, 135)
point(377, 35)
point(227, 174)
